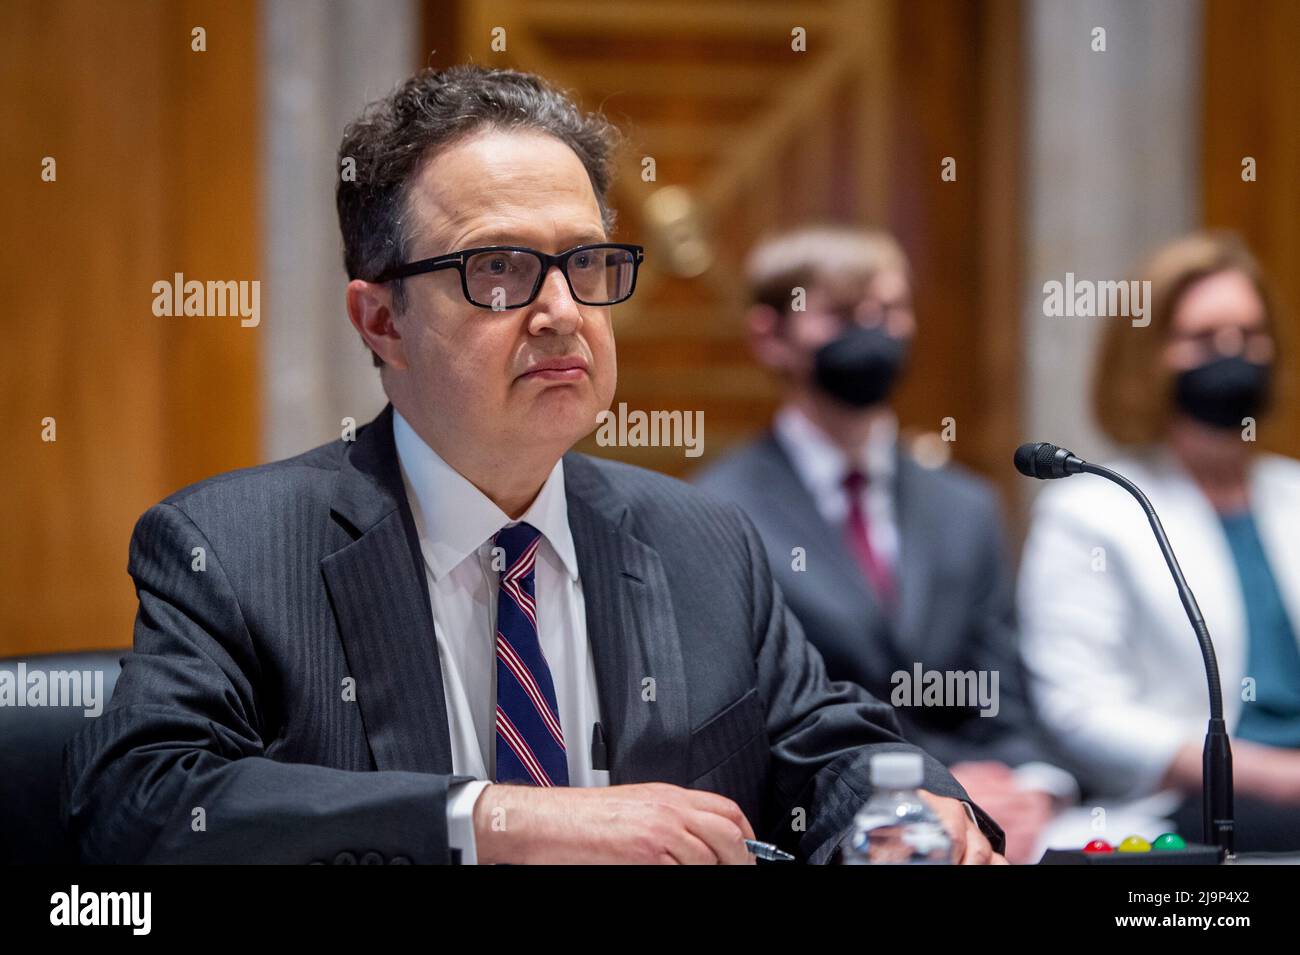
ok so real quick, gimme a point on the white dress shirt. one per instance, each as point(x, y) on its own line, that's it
point(822, 466)
point(456, 523)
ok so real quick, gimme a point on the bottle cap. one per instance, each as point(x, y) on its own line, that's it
point(897, 770)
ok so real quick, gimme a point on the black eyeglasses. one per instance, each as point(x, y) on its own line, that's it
point(502, 277)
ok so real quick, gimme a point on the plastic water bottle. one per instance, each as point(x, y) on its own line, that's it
point(897, 826)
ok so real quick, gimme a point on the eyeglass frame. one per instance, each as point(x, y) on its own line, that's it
point(457, 261)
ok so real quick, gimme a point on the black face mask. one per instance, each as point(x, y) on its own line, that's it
point(1223, 391)
point(859, 367)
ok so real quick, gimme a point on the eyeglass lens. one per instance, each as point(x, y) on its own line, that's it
point(501, 279)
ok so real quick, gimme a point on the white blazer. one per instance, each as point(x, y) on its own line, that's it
point(1114, 666)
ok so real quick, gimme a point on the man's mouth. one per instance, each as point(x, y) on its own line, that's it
point(572, 368)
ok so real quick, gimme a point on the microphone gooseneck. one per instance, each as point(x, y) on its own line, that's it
point(1046, 462)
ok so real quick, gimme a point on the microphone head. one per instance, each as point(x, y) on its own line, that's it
point(1045, 461)
point(1024, 459)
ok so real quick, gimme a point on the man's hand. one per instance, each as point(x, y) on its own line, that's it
point(645, 824)
point(969, 847)
point(1022, 813)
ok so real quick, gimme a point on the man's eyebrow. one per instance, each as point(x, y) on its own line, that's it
point(508, 238)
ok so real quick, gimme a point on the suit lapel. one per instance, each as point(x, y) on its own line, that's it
point(833, 578)
point(802, 525)
point(632, 632)
point(380, 598)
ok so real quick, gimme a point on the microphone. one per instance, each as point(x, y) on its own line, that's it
point(1048, 462)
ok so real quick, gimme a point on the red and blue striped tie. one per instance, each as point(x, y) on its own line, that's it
point(530, 741)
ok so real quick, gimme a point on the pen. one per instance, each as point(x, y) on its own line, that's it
point(767, 851)
point(599, 754)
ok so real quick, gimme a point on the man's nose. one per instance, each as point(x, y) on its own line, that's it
point(868, 314)
point(555, 308)
point(1229, 341)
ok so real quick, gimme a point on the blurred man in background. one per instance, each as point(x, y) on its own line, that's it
point(886, 563)
point(1115, 665)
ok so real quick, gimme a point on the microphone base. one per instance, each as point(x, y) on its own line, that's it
point(1194, 854)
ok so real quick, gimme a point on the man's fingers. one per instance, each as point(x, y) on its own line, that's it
point(688, 849)
point(969, 847)
point(978, 850)
point(955, 820)
point(719, 806)
point(723, 837)
point(705, 828)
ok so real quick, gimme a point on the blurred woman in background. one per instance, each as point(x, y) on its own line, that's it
point(1116, 668)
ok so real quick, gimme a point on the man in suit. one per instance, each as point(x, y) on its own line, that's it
point(449, 639)
point(896, 570)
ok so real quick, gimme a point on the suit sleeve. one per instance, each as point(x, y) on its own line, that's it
point(822, 734)
point(175, 769)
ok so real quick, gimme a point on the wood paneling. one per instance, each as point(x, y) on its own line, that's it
point(957, 93)
point(1251, 96)
point(156, 149)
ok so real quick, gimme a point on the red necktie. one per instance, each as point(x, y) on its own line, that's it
point(859, 541)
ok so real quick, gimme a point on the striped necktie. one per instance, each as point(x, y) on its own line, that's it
point(530, 741)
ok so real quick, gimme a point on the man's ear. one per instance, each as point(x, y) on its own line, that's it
point(370, 308)
point(763, 330)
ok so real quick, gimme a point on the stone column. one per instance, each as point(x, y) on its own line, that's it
point(320, 63)
point(1112, 142)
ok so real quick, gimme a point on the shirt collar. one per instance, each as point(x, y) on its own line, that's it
point(455, 518)
point(821, 464)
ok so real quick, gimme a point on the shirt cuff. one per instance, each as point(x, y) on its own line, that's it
point(461, 798)
point(970, 812)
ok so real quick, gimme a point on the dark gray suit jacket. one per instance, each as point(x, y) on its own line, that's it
point(956, 610)
point(233, 707)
